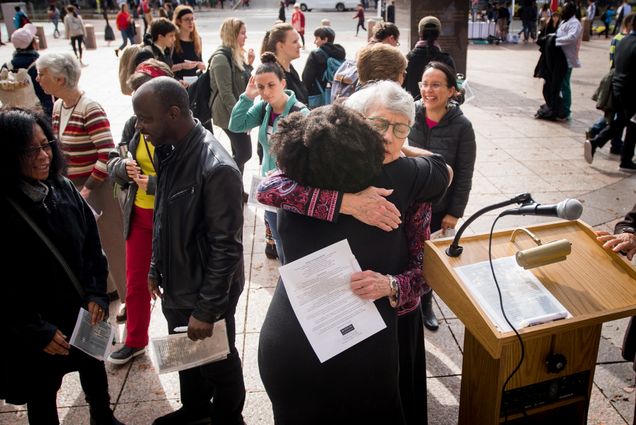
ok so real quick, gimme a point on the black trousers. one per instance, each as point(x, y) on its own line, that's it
point(221, 381)
point(76, 43)
point(412, 367)
point(241, 148)
point(42, 407)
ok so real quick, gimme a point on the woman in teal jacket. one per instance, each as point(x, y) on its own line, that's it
point(276, 102)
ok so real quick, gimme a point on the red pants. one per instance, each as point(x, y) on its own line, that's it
point(138, 253)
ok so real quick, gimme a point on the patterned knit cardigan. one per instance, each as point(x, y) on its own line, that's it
point(86, 140)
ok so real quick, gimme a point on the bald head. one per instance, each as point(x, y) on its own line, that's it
point(166, 92)
point(162, 109)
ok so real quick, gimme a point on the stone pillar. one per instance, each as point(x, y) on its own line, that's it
point(454, 17)
point(138, 33)
point(586, 23)
point(41, 37)
point(371, 23)
point(89, 39)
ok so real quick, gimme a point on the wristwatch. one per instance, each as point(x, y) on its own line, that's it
point(394, 297)
point(628, 230)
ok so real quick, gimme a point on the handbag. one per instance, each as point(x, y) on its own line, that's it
point(109, 35)
point(16, 88)
point(52, 248)
point(604, 95)
point(320, 99)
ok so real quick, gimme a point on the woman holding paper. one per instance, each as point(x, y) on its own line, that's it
point(82, 129)
point(381, 100)
point(60, 268)
point(186, 56)
point(342, 151)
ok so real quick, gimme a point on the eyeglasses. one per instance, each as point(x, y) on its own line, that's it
point(400, 130)
point(187, 19)
point(35, 151)
point(434, 86)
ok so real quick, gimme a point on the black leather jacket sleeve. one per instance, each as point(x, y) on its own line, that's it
point(223, 235)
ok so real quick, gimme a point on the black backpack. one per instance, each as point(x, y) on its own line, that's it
point(201, 98)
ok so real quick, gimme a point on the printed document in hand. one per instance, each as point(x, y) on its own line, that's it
point(178, 352)
point(526, 301)
point(331, 315)
point(252, 199)
point(96, 341)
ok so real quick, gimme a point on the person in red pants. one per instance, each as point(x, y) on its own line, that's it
point(132, 168)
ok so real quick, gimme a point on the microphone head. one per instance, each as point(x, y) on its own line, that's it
point(569, 209)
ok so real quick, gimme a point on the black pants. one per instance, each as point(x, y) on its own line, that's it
point(627, 154)
point(412, 367)
point(360, 24)
point(614, 130)
point(78, 39)
point(241, 147)
point(42, 407)
point(222, 380)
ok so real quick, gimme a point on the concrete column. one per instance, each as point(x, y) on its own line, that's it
point(371, 23)
point(138, 33)
point(89, 39)
point(454, 17)
point(40, 35)
point(586, 23)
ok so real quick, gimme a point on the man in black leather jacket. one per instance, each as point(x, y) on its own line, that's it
point(197, 251)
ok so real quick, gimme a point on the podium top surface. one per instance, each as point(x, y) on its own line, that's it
point(595, 285)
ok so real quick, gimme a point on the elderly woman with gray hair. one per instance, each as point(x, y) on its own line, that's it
point(409, 184)
point(83, 131)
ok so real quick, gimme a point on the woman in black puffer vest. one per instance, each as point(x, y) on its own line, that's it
point(441, 127)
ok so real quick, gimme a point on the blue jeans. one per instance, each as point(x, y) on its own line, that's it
point(271, 218)
point(566, 93)
point(125, 36)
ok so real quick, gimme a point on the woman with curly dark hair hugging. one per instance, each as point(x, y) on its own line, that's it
point(334, 148)
point(57, 258)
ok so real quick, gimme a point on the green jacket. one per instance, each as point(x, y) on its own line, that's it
point(230, 82)
point(246, 115)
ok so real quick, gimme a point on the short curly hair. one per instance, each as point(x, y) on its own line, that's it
point(379, 61)
point(332, 148)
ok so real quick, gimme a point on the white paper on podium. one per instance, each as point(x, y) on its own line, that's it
point(331, 315)
point(526, 301)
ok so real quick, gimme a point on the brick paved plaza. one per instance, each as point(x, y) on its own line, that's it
point(515, 153)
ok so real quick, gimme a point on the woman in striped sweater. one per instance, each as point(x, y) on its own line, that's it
point(82, 128)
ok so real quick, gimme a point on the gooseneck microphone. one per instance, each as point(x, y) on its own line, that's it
point(455, 250)
point(569, 209)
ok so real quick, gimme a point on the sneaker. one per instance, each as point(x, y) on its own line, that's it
point(183, 416)
point(125, 354)
point(270, 251)
point(630, 167)
point(588, 151)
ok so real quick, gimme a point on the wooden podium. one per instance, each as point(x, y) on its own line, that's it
point(595, 285)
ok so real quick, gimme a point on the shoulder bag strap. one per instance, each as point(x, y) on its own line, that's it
point(51, 247)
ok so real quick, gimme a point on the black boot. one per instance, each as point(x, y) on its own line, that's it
point(430, 321)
